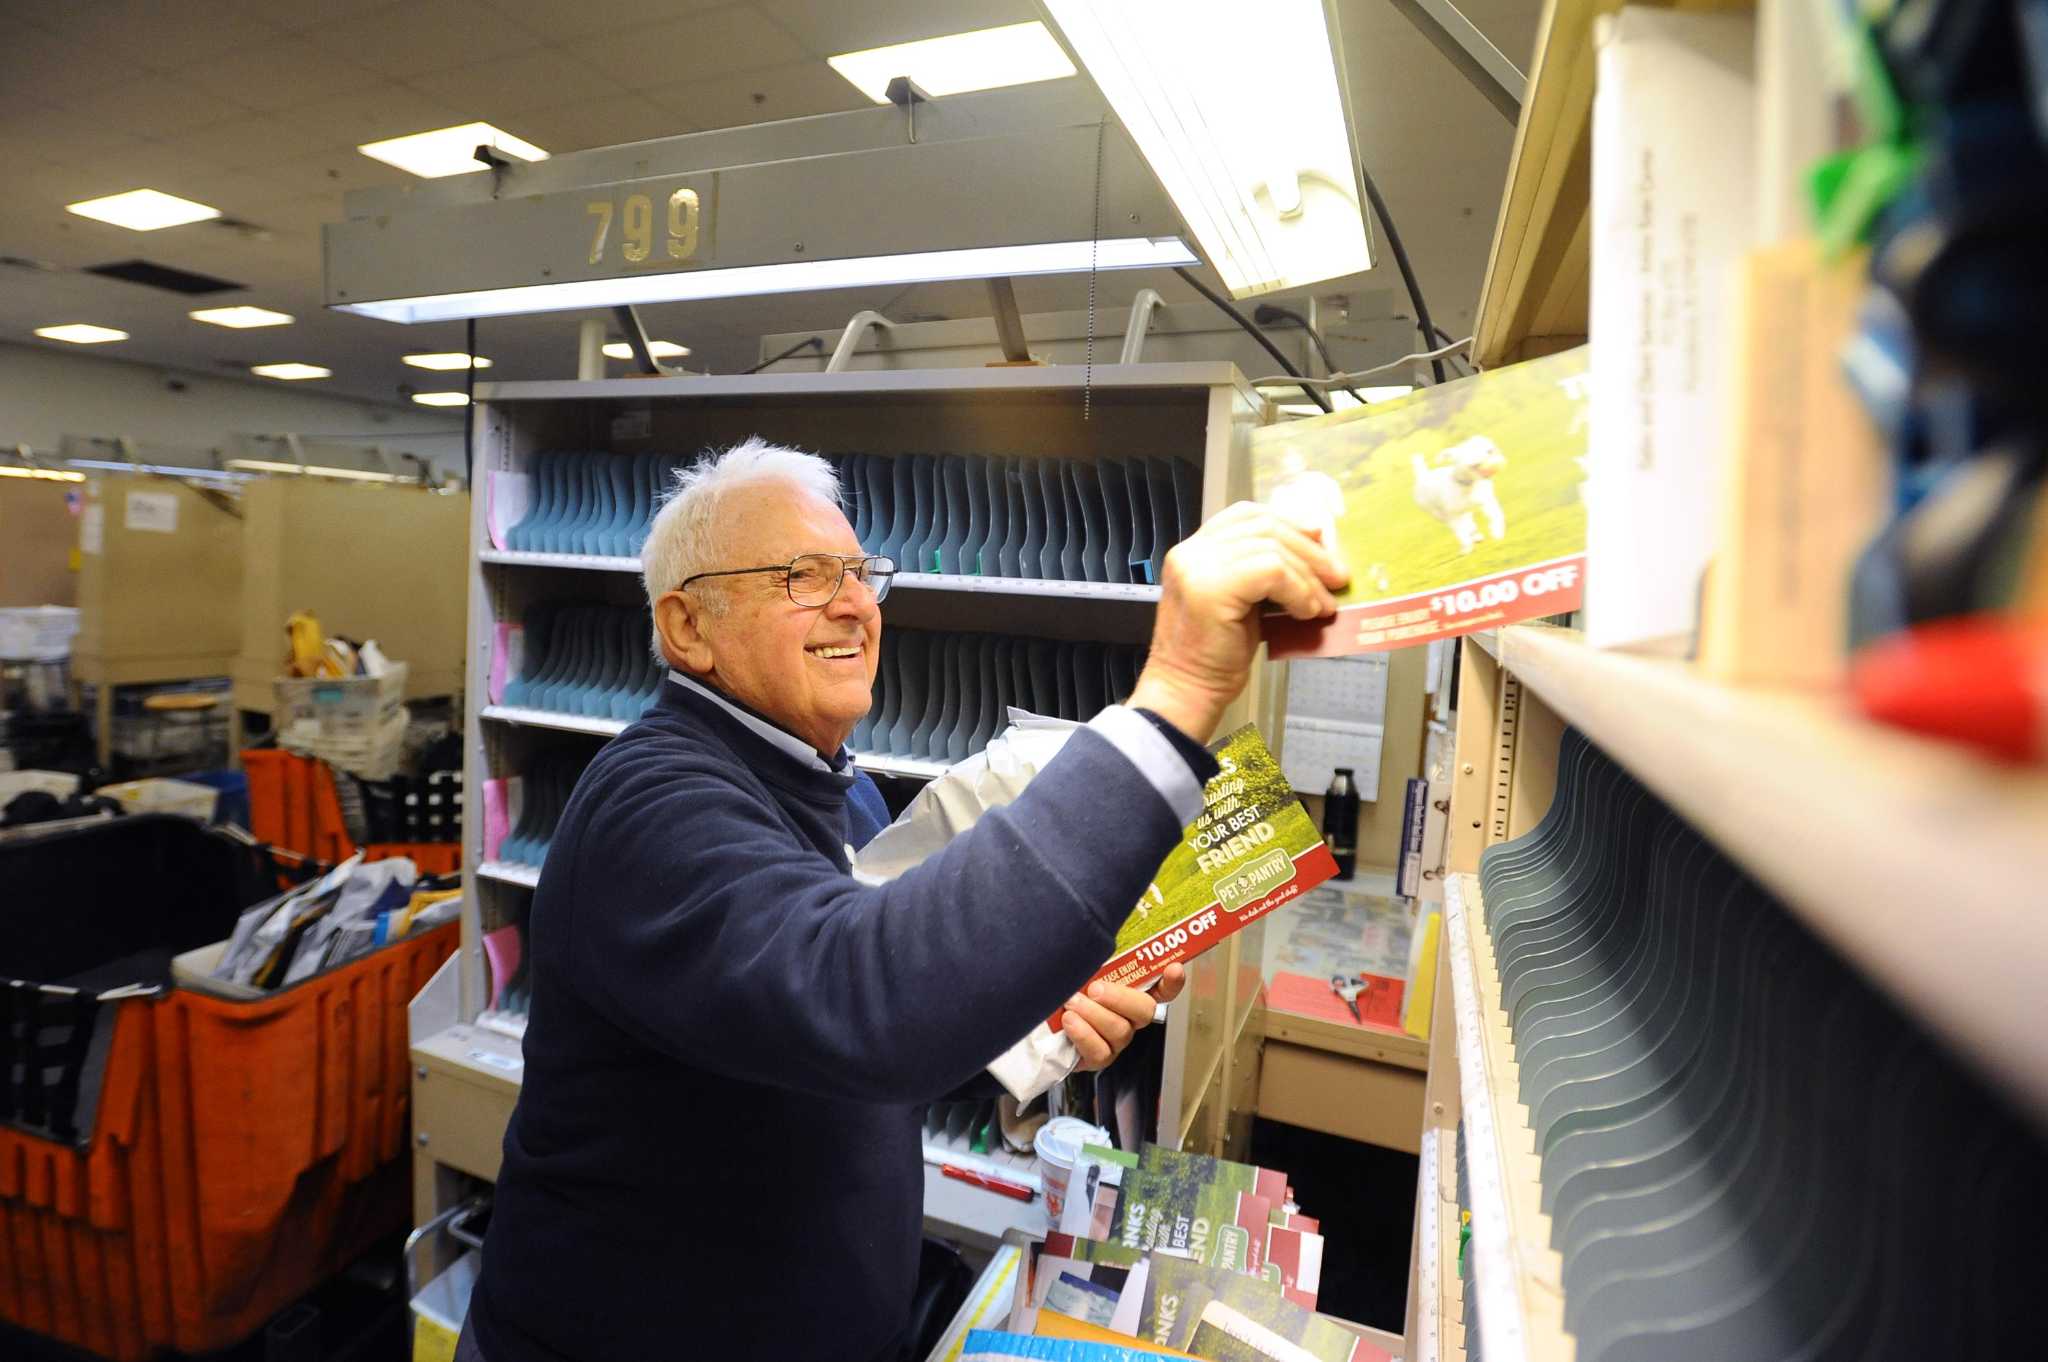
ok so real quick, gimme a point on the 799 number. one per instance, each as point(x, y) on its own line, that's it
point(635, 218)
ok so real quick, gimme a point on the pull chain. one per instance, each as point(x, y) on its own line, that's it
point(1094, 242)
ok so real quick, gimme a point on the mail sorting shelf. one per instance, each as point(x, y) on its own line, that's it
point(1184, 427)
point(1818, 1144)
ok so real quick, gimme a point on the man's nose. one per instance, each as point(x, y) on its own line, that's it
point(856, 599)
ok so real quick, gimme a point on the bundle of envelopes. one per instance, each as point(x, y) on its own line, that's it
point(588, 658)
point(942, 696)
point(1173, 1250)
point(587, 502)
point(342, 916)
point(544, 790)
point(1069, 520)
point(1745, 1150)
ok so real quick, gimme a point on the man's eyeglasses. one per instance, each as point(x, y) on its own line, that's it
point(814, 579)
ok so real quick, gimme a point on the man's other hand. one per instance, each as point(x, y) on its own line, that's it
point(1216, 583)
point(1102, 1020)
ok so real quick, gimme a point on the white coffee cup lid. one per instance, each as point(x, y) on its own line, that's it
point(1059, 1140)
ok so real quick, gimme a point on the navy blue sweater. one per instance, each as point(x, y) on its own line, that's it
point(716, 1150)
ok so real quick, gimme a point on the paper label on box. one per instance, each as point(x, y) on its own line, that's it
point(92, 529)
point(156, 512)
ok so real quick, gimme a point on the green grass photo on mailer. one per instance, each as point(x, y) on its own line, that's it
point(1456, 507)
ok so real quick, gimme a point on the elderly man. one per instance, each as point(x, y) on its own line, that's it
point(716, 1153)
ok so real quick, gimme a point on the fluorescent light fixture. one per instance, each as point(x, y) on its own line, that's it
point(449, 151)
point(1259, 168)
point(316, 470)
point(143, 210)
point(1014, 54)
point(447, 359)
point(81, 333)
point(441, 399)
point(50, 476)
point(291, 373)
point(240, 318)
point(984, 262)
point(658, 349)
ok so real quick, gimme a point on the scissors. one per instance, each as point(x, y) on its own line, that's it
point(1348, 989)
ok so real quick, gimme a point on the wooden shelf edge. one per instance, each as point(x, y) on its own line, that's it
point(1923, 864)
point(1396, 1048)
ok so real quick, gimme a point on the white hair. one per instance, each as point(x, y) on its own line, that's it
point(685, 538)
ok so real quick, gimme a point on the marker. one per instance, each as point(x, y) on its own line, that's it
point(1975, 679)
point(987, 1183)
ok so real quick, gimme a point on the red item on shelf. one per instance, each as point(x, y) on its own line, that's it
point(1975, 679)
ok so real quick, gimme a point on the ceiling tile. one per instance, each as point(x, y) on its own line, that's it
point(526, 80)
point(279, 74)
point(332, 171)
point(796, 91)
point(159, 34)
point(561, 20)
point(368, 114)
point(601, 123)
point(255, 140)
point(304, 14)
point(829, 27)
point(418, 36)
point(713, 43)
point(154, 105)
point(38, 65)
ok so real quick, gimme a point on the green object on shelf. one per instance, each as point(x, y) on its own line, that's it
point(1850, 190)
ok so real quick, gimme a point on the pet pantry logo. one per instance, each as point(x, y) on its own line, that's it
point(1456, 507)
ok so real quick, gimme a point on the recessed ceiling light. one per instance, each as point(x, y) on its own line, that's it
point(143, 210)
point(982, 60)
point(449, 151)
point(81, 333)
point(291, 372)
point(441, 399)
point(447, 359)
point(658, 349)
point(46, 474)
point(240, 318)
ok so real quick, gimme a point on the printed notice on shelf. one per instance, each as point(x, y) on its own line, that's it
point(1456, 508)
point(507, 498)
point(1336, 716)
point(156, 512)
point(92, 529)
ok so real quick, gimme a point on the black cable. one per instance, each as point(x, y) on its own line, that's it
point(1264, 311)
point(469, 406)
point(1286, 365)
point(807, 343)
point(1379, 206)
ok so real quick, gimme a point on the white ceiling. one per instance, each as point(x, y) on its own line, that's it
point(256, 108)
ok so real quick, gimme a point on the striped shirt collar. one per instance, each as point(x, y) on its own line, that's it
point(769, 733)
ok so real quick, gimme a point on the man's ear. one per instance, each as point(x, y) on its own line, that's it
point(680, 621)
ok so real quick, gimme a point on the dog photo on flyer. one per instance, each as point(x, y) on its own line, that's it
point(1456, 507)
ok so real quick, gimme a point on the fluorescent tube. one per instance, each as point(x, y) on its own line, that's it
point(1240, 116)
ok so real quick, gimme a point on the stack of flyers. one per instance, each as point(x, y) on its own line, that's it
point(1224, 1214)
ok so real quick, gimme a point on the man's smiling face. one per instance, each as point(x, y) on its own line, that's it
point(810, 670)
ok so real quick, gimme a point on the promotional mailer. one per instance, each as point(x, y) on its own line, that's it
point(1250, 850)
point(1456, 508)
